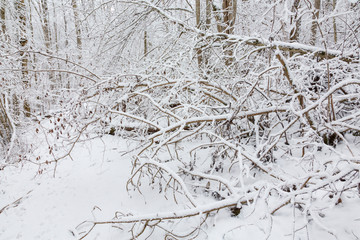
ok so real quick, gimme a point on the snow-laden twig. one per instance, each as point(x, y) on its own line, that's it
point(219, 179)
point(172, 174)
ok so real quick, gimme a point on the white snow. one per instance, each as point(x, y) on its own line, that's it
point(93, 188)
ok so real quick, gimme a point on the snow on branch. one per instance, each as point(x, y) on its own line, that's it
point(292, 47)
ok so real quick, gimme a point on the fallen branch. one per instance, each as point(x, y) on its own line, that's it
point(14, 203)
point(205, 209)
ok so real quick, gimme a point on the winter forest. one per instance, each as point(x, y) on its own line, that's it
point(180, 119)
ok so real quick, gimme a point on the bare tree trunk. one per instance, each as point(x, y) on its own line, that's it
point(208, 14)
point(77, 26)
point(145, 43)
point(3, 17)
point(207, 27)
point(229, 18)
point(334, 22)
point(226, 18)
point(294, 33)
point(5, 126)
point(202, 55)
point(47, 39)
point(314, 24)
point(66, 32)
point(21, 11)
point(55, 39)
point(67, 82)
point(198, 11)
point(45, 23)
point(198, 25)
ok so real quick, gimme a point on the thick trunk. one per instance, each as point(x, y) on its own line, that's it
point(229, 18)
point(229, 15)
point(198, 11)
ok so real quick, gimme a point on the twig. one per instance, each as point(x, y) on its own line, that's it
point(15, 203)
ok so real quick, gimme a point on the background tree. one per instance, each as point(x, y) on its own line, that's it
point(3, 17)
point(77, 25)
point(315, 24)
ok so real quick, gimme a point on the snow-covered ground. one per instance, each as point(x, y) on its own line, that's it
point(92, 186)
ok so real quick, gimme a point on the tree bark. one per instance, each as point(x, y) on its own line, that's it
point(198, 25)
point(21, 11)
point(314, 24)
point(5, 125)
point(208, 14)
point(334, 22)
point(294, 33)
point(229, 18)
point(77, 26)
point(3, 17)
point(23, 41)
point(145, 43)
point(45, 23)
point(207, 27)
point(229, 15)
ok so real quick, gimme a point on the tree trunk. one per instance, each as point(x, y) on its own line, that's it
point(145, 43)
point(47, 40)
point(77, 26)
point(229, 18)
point(3, 17)
point(5, 125)
point(55, 39)
point(198, 25)
point(23, 41)
point(21, 11)
point(314, 24)
point(334, 22)
point(229, 15)
point(294, 33)
point(45, 23)
point(207, 27)
point(208, 14)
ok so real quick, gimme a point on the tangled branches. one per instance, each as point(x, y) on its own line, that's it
point(234, 143)
point(276, 125)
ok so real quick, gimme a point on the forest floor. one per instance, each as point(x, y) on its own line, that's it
point(92, 186)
